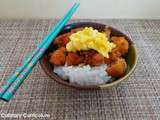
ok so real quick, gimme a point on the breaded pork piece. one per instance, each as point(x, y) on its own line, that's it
point(117, 69)
point(122, 44)
point(62, 40)
point(97, 59)
point(58, 57)
point(76, 30)
point(107, 31)
point(115, 54)
point(73, 59)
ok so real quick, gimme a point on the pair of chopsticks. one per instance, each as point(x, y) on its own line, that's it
point(12, 84)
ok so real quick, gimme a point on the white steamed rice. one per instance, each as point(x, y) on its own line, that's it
point(83, 75)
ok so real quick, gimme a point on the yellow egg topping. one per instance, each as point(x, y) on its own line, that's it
point(87, 39)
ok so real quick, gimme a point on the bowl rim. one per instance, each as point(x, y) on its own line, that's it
point(107, 85)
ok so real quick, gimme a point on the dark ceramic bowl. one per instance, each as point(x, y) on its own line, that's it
point(131, 57)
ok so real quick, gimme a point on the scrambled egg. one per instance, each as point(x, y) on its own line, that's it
point(89, 38)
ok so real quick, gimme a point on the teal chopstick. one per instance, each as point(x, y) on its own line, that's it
point(12, 78)
point(14, 87)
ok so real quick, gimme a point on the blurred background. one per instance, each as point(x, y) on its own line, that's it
point(134, 9)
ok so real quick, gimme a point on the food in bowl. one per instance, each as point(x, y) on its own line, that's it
point(86, 56)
